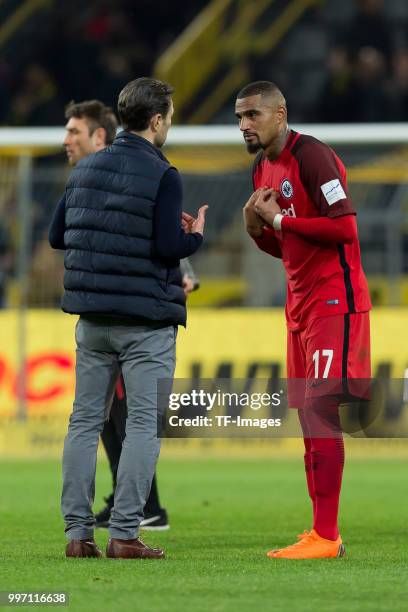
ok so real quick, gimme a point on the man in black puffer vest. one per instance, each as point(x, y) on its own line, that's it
point(124, 234)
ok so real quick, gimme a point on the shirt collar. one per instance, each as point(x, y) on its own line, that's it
point(125, 138)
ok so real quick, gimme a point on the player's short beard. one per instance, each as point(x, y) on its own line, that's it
point(253, 147)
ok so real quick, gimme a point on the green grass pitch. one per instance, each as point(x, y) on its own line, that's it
point(225, 514)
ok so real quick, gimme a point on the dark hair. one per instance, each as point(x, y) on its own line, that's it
point(265, 88)
point(140, 100)
point(96, 115)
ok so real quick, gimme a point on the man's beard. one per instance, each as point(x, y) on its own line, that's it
point(253, 147)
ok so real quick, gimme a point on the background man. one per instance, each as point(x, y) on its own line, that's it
point(124, 234)
point(301, 213)
point(91, 126)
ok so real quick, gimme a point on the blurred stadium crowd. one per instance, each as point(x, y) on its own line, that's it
point(367, 69)
point(84, 51)
point(349, 59)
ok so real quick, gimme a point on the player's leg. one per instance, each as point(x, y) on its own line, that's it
point(118, 416)
point(337, 357)
point(338, 362)
point(308, 459)
point(327, 344)
point(147, 356)
point(113, 434)
point(112, 445)
point(321, 421)
point(112, 437)
point(153, 503)
point(155, 517)
point(96, 374)
point(321, 417)
point(296, 375)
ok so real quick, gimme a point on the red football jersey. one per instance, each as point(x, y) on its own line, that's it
point(322, 279)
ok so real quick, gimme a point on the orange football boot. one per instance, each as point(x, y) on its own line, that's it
point(300, 536)
point(310, 546)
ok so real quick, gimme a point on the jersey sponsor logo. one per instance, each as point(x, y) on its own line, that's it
point(286, 189)
point(290, 212)
point(333, 191)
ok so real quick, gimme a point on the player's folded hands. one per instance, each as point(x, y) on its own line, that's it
point(266, 205)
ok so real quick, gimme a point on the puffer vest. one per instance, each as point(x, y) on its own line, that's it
point(110, 265)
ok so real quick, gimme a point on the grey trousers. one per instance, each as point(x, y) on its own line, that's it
point(144, 355)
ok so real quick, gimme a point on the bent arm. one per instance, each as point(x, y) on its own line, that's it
point(170, 241)
point(268, 242)
point(325, 230)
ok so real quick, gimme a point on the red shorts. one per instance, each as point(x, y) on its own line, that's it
point(330, 356)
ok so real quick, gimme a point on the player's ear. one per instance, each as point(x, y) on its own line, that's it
point(281, 113)
point(155, 122)
point(99, 137)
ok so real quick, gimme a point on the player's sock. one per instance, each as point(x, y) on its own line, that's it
point(327, 462)
point(308, 461)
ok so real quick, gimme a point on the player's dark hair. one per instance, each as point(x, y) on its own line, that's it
point(140, 100)
point(265, 88)
point(96, 114)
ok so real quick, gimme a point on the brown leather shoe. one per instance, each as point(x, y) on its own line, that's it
point(82, 548)
point(132, 549)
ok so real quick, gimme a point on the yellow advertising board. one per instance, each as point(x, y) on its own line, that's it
point(236, 343)
point(217, 343)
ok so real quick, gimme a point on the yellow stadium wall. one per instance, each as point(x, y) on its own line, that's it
point(214, 337)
